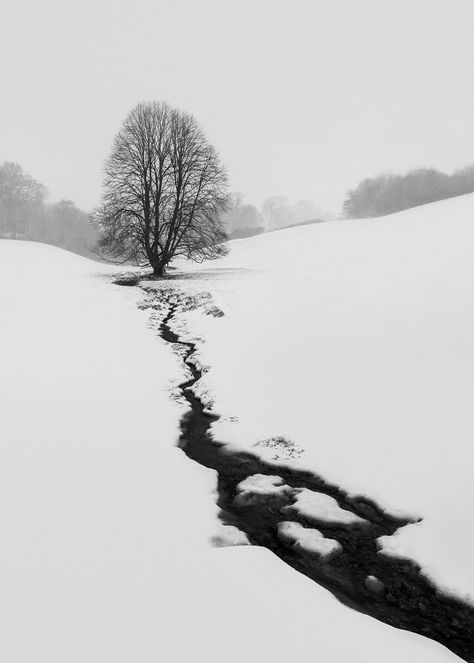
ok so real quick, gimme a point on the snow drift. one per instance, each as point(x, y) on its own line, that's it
point(355, 340)
point(105, 523)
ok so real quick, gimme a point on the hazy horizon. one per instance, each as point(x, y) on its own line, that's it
point(301, 100)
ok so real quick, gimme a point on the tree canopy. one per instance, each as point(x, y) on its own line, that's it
point(164, 191)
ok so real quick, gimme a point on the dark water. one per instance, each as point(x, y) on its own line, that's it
point(399, 595)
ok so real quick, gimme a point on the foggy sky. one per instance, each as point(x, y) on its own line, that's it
point(302, 98)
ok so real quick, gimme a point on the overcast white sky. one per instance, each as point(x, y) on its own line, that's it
point(302, 98)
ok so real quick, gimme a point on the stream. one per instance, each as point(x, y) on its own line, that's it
point(389, 589)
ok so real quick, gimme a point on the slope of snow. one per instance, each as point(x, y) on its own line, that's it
point(105, 523)
point(355, 339)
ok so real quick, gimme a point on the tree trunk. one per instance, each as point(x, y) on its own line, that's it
point(158, 269)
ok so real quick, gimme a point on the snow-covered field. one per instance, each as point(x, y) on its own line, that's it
point(105, 523)
point(355, 339)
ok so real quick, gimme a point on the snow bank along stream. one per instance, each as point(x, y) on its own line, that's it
point(313, 526)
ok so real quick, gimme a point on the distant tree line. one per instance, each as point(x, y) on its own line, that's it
point(390, 193)
point(26, 214)
point(241, 219)
point(244, 220)
point(279, 213)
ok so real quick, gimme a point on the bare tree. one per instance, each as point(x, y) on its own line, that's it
point(277, 212)
point(22, 202)
point(305, 210)
point(164, 191)
point(241, 219)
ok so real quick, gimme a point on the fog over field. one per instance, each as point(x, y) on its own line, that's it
point(237, 331)
point(303, 99)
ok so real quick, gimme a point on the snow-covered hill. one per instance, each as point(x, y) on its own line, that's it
point(355, 339)
point(105, 523)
